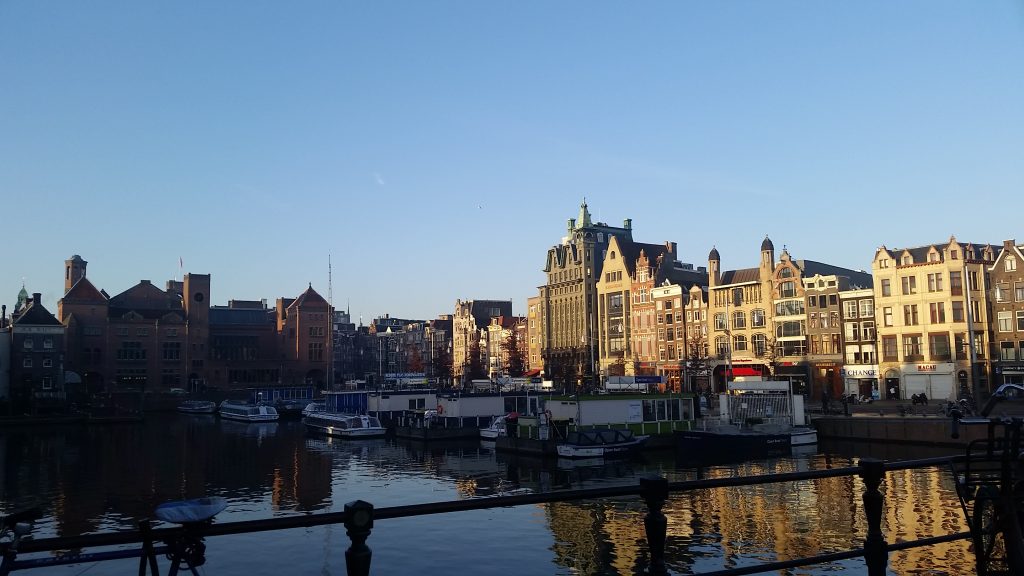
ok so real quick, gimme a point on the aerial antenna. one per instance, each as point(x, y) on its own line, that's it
point(330, 284)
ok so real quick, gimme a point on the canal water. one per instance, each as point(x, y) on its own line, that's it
point(104, 478)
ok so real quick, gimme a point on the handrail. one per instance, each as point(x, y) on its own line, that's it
point(359, 517)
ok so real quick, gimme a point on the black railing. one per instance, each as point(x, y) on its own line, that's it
point(359, 517)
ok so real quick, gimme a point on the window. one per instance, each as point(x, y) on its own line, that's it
point(937, 313)
point(909, 284)
point(1018, 291)
point(958, 310)
point(1011, 263)
point(123, 331)
point(933, 256)
point(720, 321)
point(142, 331)
point(824, 320)
point(1020, 320)
point(47, 383)
point(316, 351)
point(47, 343)
point(47, 362)
point(737, 296)
point(316, 331)
point(833, 299)
point(790, 308)
point(1007, 351)
point(938, 344)
point(954, 254)
point(812, 301)
point(26, 363)
point(787, 289)
point(867, 330)
point(883, 263)
point(886, 287)
point(739, 343)
point(131, 351)
point(757, 318)
point(721, 346)
point(668, 318)
point(739, 321)
point(935, 282)
point(28, 344)
point(867, 308)
point(1005, 321)
point(812, 320)
point(850, 308)
point(887, 316)
point(956, 287)
point(791, 328)
point(912, 347)
point(910, 315)
point(759, 342)
point(171, 351)
point(1002, 292)
point(172, 332)
point(852, 331)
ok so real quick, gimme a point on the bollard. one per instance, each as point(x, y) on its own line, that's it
point(654, 491)
point(876, 550)
point(358, 522)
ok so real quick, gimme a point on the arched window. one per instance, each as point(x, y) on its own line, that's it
point(759, 343)
point(721, 346)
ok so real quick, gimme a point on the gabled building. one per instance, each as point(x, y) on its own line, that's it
point(469, 329)
point(36, 359)
point(860, 346)
point(1007, 276)
point(568, 298)
point(931, 306)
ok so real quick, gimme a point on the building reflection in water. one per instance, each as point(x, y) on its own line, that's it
point(93, 479)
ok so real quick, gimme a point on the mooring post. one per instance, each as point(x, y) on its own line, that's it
point(358, 522)
point(876, 550)
point(654, 491)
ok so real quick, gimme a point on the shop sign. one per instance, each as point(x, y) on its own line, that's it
point(940, 368)
point(859, 371)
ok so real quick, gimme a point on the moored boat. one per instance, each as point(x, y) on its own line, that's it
point(759, 419)
point(314, 407)
point(344, 425)
point(245, 412)
point(197, 407)
point(599, 443)
point(496, 429)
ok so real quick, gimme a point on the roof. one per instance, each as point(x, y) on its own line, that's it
point(740, 276)
point(36, 315)
point(146, 300)
point(811, 268)
point(221, 316)
point(83, 292)
point(714, 255)
point(766, 244)
point(309, 298)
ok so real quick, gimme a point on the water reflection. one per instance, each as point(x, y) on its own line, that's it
point(93, 479)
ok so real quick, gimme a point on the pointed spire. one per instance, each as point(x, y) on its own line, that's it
point(584, 220)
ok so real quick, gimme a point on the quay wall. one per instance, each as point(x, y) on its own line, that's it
point(909, 429)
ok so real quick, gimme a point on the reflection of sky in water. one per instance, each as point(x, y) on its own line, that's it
point(100, 481)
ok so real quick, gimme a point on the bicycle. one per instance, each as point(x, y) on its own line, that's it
point(990, 485)
point(184, 549)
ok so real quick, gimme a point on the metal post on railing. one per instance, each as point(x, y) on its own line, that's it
point(654, 491)
point(148, 558)
point(358, 522)
point(876, 550)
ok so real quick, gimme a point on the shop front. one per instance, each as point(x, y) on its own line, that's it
point(798, 377)
point(936, 380)
point(861, 380)
point(1009, 373)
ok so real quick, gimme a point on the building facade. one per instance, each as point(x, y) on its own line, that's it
point(469, 333)
point(1007, 298)
point(931, 308)
point(36, 359)
point(860, 349)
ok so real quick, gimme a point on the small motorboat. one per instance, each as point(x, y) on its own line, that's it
point(599, 443)
point(496, 429)
point(197, 407)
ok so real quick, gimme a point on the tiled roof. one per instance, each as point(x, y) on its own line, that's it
point(84, 291)
point(309, 298)
point(146, 299)
point(36, 315)
point(812, 268)
point(740, 276)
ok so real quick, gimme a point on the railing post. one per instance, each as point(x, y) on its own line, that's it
point(358, 522)
point(876, 550)
point(654, 491)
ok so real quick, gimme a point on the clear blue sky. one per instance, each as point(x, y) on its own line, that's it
point(436, 149)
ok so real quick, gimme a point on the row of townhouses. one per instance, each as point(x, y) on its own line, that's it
point(941, 319)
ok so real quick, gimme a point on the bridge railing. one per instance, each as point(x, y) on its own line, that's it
point(359, 518)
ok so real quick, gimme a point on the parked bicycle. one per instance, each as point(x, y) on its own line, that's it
point(990, 484)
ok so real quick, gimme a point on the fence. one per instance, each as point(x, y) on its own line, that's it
point(359, 518)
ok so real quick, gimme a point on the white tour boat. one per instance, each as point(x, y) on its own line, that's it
point(344, 425)
point(245, 412)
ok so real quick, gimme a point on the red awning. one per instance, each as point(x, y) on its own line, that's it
point(534, 372)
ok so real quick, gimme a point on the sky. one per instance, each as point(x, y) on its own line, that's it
point(433, 151)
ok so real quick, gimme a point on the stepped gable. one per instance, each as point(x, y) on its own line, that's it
point(147, 301)
point(308, 298)
point(84, 292)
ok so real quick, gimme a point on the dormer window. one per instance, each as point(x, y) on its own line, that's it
point(933, 256)
point(907, 259)
point(954, 254)
point(1011, 264)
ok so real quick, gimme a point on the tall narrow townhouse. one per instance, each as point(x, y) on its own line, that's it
point(1007, 277)
point(931, 315)
point(860, 349)
point(740, 317)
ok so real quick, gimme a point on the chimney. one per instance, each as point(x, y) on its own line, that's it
point(671, 247)
point(627, 223)
point(37, 298)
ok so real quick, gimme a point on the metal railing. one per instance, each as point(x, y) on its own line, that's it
point(359, 518)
